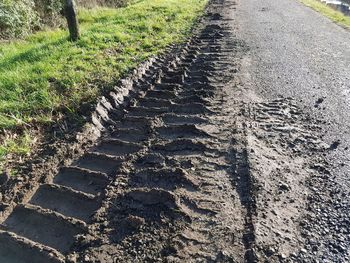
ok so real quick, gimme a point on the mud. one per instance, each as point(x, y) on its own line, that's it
point(183, 165)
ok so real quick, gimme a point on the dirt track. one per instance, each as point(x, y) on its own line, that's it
point(193, 168)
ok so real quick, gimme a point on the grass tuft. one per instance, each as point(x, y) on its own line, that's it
point(16, 144)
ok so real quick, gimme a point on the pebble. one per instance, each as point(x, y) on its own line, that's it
point(4, 177)
point(270, 251)
point(283, 256)
point(284, 186)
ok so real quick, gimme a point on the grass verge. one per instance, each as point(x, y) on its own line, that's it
point(327, 11)
point(45, 76)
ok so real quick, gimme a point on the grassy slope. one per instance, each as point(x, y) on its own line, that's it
point(334, 15)
point(45, 74)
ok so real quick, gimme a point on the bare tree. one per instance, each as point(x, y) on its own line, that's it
point(70, 13)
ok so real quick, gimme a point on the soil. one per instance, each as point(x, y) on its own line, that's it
point(181, 163)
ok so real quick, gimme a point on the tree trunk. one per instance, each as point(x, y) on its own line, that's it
point(72, 20)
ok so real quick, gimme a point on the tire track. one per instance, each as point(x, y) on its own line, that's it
point(178, 194)
point(160, 184)
point(243, 181)
point(49, 222)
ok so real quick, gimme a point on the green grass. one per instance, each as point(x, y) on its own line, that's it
point(45, 75)
point(18, 144)
point(334, 15)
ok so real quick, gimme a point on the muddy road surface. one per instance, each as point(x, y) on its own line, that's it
point(217, 153)
point(296, 52)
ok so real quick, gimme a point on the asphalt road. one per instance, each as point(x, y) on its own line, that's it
point(296, 52)
point(293, 51)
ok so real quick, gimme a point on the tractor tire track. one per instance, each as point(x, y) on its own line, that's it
point(168, 180)
point(179, 194)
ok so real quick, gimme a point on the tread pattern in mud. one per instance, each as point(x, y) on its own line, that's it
point(156, 168)
point(47, 226)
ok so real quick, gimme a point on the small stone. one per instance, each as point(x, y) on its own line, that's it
point(288, 239)
point(319, 101)
point(72, 258)
point(334, 145)
point(314, 248)
point(284, 186)
point(283, 256)
point(270, 251)
point(4, 177)
point(20, 179)
point(135, 222)
point(341, 248)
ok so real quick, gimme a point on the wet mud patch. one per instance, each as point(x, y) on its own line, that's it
point(181, 131)
point(165, 178)
point(282, 143)
point(117, 148)
point(139, 201)
point(141, 226)
point(173, 119)
point(181, 147)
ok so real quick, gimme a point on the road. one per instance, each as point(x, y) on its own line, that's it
point(296, 52)
point(293, 51)
point(228, 148)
